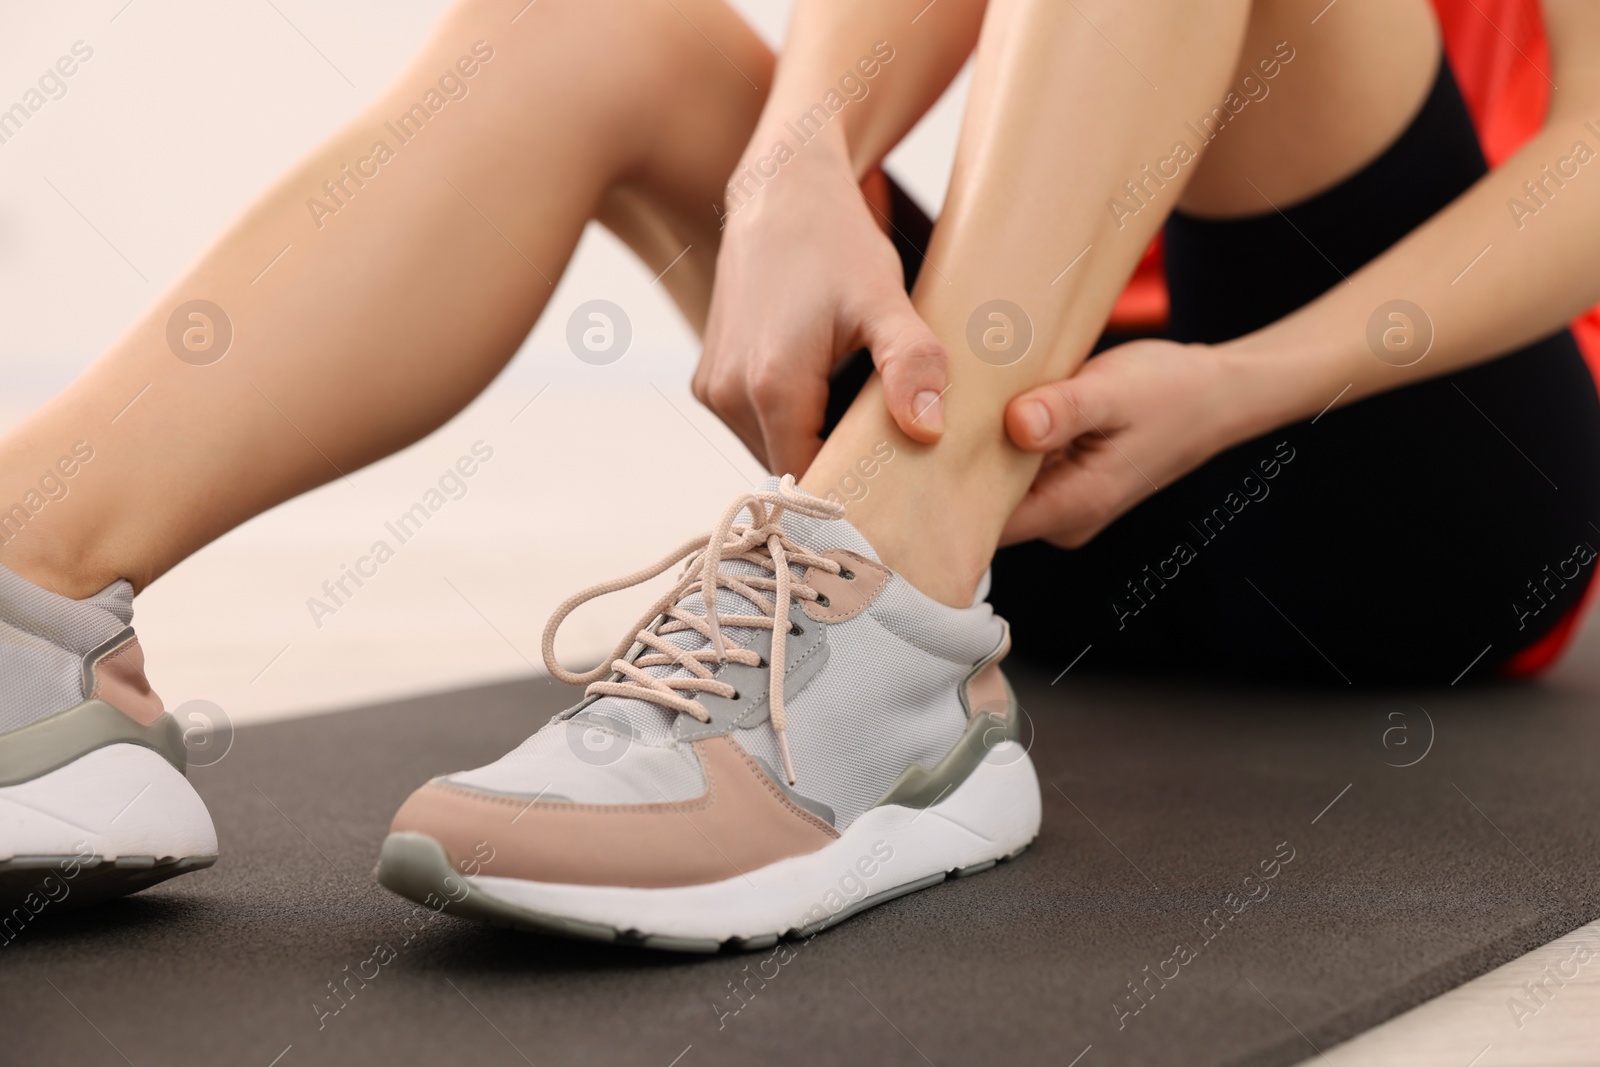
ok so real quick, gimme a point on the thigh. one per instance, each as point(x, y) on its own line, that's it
point(1311, 101)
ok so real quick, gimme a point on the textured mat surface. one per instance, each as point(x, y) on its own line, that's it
point(1159, 803)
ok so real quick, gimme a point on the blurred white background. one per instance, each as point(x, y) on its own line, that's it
point(184, 113)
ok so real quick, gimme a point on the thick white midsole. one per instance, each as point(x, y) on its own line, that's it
point(120, 800)
point(991, 815)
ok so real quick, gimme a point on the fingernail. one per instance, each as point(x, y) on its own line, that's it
point(928, 409)
point(1037, 418)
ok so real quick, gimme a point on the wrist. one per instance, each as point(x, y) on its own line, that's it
point(779, 141)
point(823, 100)
point(1264, 388)
point(776, 162)
point(1243, 399)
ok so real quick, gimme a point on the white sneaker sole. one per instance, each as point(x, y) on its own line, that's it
point(112, 821)
point(888, 852)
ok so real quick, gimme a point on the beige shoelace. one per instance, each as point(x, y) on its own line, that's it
point(762, 542)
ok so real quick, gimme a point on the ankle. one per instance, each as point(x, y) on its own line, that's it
point(74, 575)
point(933, 513)
point(941, 568)
point(945, 558)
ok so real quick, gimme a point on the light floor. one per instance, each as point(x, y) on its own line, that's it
point(1542, 1010)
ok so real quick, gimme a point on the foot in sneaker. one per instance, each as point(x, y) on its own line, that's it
point(93, 798)
point(696, 796)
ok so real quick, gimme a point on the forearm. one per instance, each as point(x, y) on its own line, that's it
point(1488, 275)
point(853, 79)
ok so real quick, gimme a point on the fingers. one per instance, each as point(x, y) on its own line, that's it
point(727, 398)
point(912, 363)
point(791, 408)
point(775, 405)
point(1059, 508)
point(1052, 416)
point(1037, 516)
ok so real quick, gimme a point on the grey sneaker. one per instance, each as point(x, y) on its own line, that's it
point(697, 797)
point(93, 798)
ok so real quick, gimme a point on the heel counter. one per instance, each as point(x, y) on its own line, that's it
point(114, 673)
point(986, 688)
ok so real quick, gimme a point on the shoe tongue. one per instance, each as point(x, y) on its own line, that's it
point(654, 722)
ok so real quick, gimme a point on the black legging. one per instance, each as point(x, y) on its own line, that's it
point(1393, 540)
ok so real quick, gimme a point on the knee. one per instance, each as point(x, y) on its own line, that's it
point(600, 35)
point(586, 56)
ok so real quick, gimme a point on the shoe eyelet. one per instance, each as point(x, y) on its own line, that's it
point(847, 574)
point(735, 695)
point(822, 598)
point(795, 630)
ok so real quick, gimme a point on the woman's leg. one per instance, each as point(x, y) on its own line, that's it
point(1073, 106)
point(408, 289)
point(768, 732)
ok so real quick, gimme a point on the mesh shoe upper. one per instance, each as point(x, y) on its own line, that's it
point(43, 640)
point(592, 762)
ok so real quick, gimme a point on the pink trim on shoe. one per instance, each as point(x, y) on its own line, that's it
point(119, 680)
point(847, 597)
point(741, 823)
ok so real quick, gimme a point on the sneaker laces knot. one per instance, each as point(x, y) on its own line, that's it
point(761, 541)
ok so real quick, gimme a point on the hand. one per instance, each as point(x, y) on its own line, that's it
point(806, 276)
point(1129, 421)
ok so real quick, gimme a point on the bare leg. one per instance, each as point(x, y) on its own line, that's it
point(1059, 119)
point(389, 316)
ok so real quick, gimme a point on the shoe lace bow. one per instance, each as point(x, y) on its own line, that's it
point(761, 541)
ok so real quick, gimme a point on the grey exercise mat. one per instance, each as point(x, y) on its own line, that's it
point(1159, 803)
